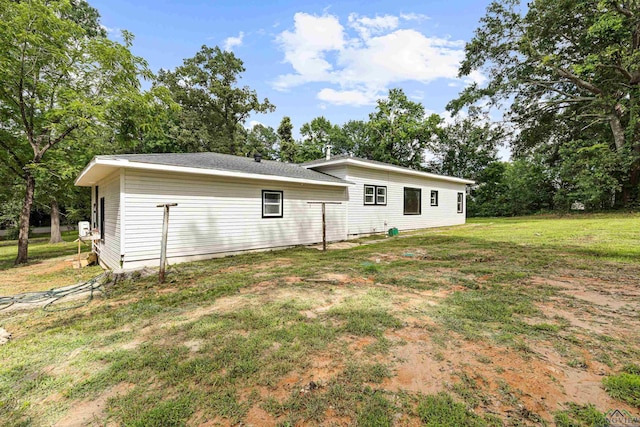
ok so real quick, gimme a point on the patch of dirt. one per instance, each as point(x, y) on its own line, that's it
point(416, 367)
point(259, 417)
point(86, 412)
point(27, 278)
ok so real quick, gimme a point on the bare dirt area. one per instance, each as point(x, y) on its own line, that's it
point(86, 413)
point(528, 385)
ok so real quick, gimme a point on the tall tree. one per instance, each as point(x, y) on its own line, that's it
point(56, 81)
point(400, 132)
point(316, 136)
point(288, 148)
point(577, 60)
point(262, 140)
point(214, 107)
point(467, 146)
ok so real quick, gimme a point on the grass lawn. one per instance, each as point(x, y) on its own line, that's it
point(522, 321)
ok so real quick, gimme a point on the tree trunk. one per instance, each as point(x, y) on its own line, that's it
point(56, 236)
point(618, 131)
point(23, 237)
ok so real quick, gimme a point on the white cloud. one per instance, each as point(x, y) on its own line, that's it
point(366, 26)
point(359, 65)
point(230, 42)
point(355, 97)
point(414, 17)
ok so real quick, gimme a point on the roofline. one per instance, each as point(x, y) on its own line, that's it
point(393, 168)
point(124, 163)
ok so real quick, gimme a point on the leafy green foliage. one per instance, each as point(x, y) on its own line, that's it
point(213, 106)
point(61, 78)
point(400, 131)
point(569, 71)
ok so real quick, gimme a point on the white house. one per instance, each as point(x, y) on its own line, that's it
point(228, 204)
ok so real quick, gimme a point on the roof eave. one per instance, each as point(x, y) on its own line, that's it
point(393, 168)
point(83, 181)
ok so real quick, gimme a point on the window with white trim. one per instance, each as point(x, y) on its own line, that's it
point(460, 202)
point(272, 204)
point(434, 198)
point(375, 195)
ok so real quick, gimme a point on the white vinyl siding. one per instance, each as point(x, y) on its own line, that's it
point(379, 218)
point(109, 249)
point(220, 216)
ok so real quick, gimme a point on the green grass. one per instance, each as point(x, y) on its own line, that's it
point(39, 249)
point(625, 386)
point(227, 335)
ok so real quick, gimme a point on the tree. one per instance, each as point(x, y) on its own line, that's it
point(316, 136)
point(214, 108)
point(288, 148)
point(575, 61)
point(356, 139)
point(57, 81)
point(261, 140)
point(467, 146)
point(399, 131)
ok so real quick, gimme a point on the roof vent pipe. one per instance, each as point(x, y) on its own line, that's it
point(257, 157)
point(327, 149)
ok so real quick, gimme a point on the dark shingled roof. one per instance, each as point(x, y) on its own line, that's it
point(226, 162)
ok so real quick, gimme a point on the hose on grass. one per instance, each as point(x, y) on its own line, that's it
point(53, 296)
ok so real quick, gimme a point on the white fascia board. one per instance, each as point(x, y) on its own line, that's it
point(392, 168)
point(122, 163)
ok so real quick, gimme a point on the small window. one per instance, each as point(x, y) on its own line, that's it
point(102, 219)
point(460, 202)
point(412, 201)
point(369, 194)
point(271, 204)
point(375, 195)
point(381, 195)
point(434, 198)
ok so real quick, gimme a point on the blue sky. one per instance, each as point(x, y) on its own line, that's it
point(313, 58)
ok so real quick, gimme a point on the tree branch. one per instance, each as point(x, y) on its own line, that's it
point(580, 82)
point(15, 159)
point(60, 137)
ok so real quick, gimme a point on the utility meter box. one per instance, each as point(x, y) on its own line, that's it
point(84, 228)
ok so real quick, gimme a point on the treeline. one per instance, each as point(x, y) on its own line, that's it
point(68, 92)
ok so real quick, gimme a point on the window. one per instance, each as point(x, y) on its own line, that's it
point(412, 201)
point(102, 219)
point(271, 204)
point(381, 195)
point(460, 202)
point(95, 209)
point(375, 195)
point(434, 198)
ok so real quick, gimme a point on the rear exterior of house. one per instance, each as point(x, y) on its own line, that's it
point(227, 205)
point(383, 196)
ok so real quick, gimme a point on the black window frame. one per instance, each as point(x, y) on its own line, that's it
point(404, 199)
point(95, 208)
point(460, 202)
point(434, 193)
point(281, 193)
point(375, 195)
point(101, 218)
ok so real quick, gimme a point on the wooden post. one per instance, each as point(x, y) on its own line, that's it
point(324, 221)
point(165, 233)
